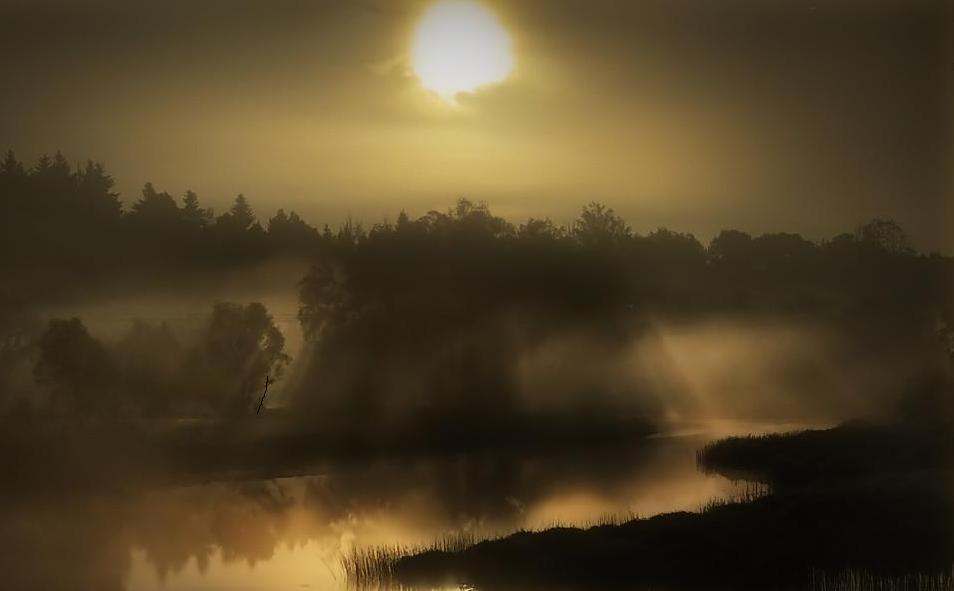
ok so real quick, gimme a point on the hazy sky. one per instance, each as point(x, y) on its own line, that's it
point(696, 115)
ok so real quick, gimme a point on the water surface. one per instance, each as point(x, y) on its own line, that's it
point(289, 533)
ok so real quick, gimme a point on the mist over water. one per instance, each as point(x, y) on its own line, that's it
point(690, 378)
point(730, 368)
point(245, 405)
point(259, 534)
point(476, 295)
point(765, 368)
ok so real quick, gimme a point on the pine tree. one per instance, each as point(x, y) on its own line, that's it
point(192, 213)
point(240, 216)
point(11, 168)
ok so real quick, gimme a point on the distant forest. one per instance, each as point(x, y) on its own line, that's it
point(400, 311)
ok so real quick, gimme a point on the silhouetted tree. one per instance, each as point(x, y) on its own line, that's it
point(885, 234)
point(599, 226)
point(154, 208)
point(540, 230)
point(95, 192)
point(291, 234)
point(194, 215)
point(19, 329)
point(239, 217)
point(240, 346)
point(75, 366)
point(443, 301)
point(667, 271)
point(731, 247)
point(12, 172)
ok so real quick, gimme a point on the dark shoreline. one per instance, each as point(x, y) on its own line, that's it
point(864, 498)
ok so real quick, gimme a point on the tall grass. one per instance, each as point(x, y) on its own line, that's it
point(717, 454)
point(852, 580)
point(374, 566)
point(602, 520)
point(748, 492)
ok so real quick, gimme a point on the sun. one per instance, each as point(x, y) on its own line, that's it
point(459, 46)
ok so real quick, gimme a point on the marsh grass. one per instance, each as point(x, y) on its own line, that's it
point(852, 580)
point(602, 520)
point(746, 493)
point(715, 456)
point(374, 566)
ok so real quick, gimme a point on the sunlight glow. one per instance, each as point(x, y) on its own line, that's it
point(459, 46)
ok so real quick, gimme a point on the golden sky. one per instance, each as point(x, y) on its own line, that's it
point(764, 116)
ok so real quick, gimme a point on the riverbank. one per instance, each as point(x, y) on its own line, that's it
point(857, 497)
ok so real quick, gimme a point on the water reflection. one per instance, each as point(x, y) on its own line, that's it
point(290, 533)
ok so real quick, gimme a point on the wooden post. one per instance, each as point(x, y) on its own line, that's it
point(262, 401)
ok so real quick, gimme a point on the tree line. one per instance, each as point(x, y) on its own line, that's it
point(429, 314)
point(63, 223)
point(430, 319)
point(150, 371)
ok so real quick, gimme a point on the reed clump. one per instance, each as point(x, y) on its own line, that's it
point(746, 493)
point(374, 566)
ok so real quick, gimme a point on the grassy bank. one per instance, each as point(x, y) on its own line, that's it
point(854, 499)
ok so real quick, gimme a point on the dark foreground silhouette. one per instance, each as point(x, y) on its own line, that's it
point(861, 498)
